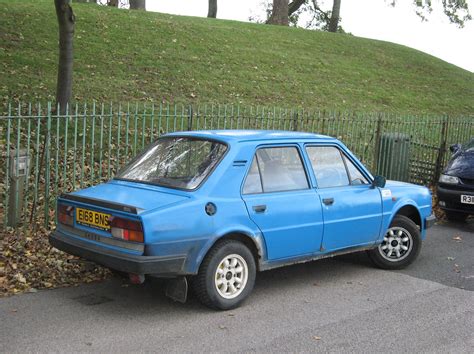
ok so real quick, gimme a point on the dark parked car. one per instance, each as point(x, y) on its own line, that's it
point(456, 184)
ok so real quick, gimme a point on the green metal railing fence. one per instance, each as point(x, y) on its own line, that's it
point(89, 143)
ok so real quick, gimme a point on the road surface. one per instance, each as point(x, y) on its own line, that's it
point(336, 305)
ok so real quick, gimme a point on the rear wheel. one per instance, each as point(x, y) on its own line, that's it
point(455, 216)
point(400, 246)
point(226, 276)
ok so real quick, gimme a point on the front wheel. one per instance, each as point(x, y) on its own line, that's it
point(226, 276)
point(400, 246)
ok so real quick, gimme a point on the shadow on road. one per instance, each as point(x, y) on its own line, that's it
point(446, 258)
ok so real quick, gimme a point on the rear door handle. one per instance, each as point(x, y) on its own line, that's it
point(328, 201)
point(259, 208)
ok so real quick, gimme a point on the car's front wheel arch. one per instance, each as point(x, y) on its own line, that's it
point(411, 212)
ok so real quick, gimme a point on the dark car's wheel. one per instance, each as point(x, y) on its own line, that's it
point(400, 246)
point(226, 276)
point(455, 216)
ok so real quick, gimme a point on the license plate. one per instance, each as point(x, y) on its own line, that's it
point(93, 219)
point(467, 199)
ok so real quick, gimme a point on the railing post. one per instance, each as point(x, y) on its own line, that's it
point(47, 165)
point(442, 149)
point(295, 121)
point(190, 117)
point(378, 135)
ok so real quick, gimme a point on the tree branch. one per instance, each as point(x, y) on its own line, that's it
point(322, 12)
point(294, 6)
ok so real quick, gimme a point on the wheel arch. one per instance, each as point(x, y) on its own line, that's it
point(410, 211)
point(253, 242)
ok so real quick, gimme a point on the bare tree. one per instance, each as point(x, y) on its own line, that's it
point(137, 4)
point(279, 14)
point(457, 11)
point(212, 12)
point(334, 20)
point(66, 22)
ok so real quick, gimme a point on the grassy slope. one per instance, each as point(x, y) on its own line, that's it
point(127, 55)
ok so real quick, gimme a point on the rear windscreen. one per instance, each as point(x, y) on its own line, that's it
point(175, 162)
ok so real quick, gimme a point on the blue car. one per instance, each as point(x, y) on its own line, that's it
point(211, 208)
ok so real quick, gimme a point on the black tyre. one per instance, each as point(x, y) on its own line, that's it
point(226, 276)
point(455, 216)
point(400, 246)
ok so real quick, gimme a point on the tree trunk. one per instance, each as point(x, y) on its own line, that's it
point(334, 21)
point(66, 21)
point(294, 6)
point(279, 13)
point(212, 12)
point(137, 4)
point(113, 3)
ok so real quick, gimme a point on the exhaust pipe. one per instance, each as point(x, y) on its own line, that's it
point(136, 278)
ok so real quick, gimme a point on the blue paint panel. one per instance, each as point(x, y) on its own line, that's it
point(291, 223)
point(354, 218)
point(294, 223)
point(142, 196)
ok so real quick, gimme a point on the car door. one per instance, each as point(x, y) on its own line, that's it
point(352, 208)
point(279, 200)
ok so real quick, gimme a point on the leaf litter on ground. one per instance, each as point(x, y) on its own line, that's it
point(29, 263)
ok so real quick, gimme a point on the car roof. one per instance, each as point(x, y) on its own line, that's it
point(232, 135)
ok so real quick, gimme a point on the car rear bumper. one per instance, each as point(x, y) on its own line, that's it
point(452, 200)
point(165, 266)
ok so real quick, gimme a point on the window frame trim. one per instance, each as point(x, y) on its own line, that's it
point(270, 146)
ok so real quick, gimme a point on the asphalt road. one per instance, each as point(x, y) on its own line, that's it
point(334, 305)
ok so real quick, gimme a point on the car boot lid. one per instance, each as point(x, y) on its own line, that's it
point(130, 197)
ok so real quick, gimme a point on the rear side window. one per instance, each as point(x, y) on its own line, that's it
point(276, 170)
point(328, 166)
point(253, 183)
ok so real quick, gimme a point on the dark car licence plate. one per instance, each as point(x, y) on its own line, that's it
point(467, 199)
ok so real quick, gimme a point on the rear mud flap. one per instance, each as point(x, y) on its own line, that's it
point(177, 289)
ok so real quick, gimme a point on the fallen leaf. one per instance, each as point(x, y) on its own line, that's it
point(457, 238)
point(451, 258)
point(316, 338)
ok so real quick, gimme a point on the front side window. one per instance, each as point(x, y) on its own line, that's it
point(276, 170)
point(175, 162)
point(328, 166)
point(356, 176)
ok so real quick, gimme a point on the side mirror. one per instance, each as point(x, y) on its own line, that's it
point(379, 181)
point(455, 148)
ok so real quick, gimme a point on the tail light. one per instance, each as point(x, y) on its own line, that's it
point(66, 214)
point(129, 230)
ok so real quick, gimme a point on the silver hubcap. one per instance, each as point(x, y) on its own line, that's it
point(397, 244)
point(231, 276)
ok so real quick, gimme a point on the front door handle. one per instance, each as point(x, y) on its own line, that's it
point(328, 201)
point(259, 208)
